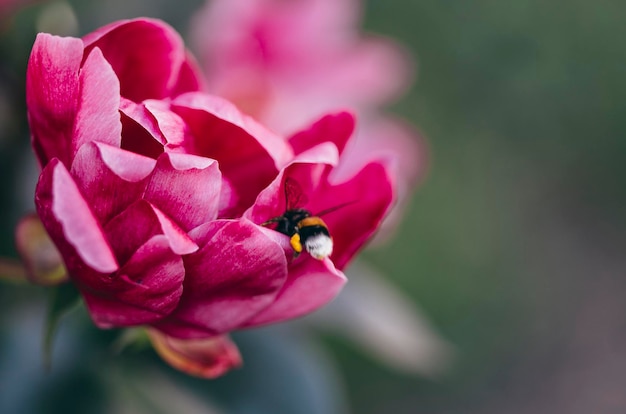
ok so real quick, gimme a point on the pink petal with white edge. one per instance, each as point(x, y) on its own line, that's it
point(69, 220)
point(204, 358)
point(311, 284)
point(140, 222)
point(146, 289)
point(186, 188)
point(171, 126)
point(236, 274)
point(110, 178)
point(335, 128)
point(142, 116)
point(98, 117)
point(146, 54)
point(140, 130)
point(52, 94)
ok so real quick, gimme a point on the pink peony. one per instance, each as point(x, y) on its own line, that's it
point(155, 194)
point(289, 62)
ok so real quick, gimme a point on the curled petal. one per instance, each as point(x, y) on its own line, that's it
point(44, 264)
point(140, 130)
point(146, 289)
point(69, 220)
point(311, 284)
point(205, 358)
point(236, 273)
point(335, 128)
point(140, 222)
point(52, 94)
point(171, 126)
point(110, 178)
point(98, 117)
point(141, 115)
point(186, 188)
point(150, 63)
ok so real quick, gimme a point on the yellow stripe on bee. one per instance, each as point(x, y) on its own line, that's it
point(311, 221)
point(296, 245)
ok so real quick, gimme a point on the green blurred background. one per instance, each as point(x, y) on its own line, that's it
point(513, 245)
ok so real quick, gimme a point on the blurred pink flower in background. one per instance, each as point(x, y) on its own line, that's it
point(154, 193)
point(288, 62)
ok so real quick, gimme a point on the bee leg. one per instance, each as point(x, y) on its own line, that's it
point(271, 221)
point(296, 244)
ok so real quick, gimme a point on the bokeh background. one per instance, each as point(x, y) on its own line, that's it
point(512, 246)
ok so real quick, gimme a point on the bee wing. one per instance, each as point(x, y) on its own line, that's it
point(294, 197)
point(337, 207)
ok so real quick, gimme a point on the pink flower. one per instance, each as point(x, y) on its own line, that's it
point(155, 194)
point(289, 62)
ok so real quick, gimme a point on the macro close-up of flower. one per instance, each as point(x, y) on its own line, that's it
point(311, 207)
point(156, 193)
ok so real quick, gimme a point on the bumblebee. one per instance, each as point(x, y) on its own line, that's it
point(305, 230)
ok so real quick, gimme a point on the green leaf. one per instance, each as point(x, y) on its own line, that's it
point(63, 299)
point(132, 339)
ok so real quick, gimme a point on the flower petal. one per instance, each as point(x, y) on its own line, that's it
point(335, 128)
point(139, 223)
point(405, 152)
point(140, 131)
point(223, 115)
point(311, 284)
point(190, 76)
point(205, 358)
point(186, 188)
point(171, 126)
point(308, 169)
point(249, 155)
point(379, 63)
point(146, 289)
point(69, 220)
point(52, 94)
point(370, 195)
point(98, 117)
point(232, 277)
point(149, 64)
point(365, 199)
point(110, 178)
